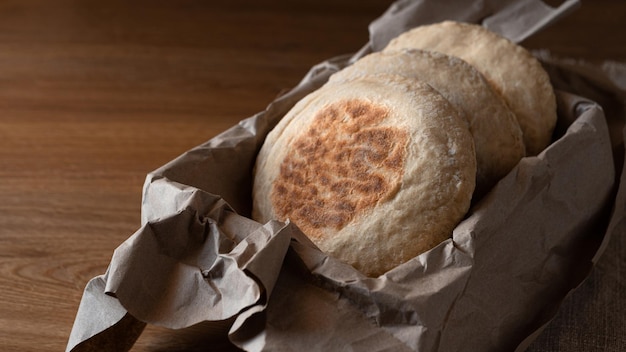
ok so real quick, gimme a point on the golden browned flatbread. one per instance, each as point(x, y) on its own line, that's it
point(497, 134)
point(509, 68)
point(375, 172)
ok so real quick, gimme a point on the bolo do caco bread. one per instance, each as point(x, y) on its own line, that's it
point(381, 163)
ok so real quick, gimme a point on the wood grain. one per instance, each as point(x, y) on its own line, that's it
point(94, 95)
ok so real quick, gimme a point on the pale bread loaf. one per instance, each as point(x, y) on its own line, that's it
point(497, 134)
point(375, 172)
point(512, 70)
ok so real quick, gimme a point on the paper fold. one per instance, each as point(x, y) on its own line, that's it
point(514, 19)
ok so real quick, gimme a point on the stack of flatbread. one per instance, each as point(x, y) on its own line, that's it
point(382, 162)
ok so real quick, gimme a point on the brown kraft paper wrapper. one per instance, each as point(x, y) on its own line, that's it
point(198, 259)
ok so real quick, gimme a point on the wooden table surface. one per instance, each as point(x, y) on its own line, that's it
point(96, 94)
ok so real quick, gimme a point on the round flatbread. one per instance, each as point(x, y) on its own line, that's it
point(375, 172)
point(510, 69)
point(497, 134)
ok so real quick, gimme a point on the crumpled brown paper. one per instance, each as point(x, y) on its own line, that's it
point(198, 259)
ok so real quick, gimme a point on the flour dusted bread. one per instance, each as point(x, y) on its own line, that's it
point(497, 134)
point(511, 69)
point(374, 171)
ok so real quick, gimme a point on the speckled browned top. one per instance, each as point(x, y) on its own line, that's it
point(344, 164)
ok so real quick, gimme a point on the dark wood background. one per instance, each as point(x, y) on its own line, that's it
point(96, 94)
